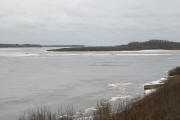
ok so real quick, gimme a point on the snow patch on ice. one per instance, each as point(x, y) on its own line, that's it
point(91, 109)
point(119, 85)
point(146, 92)
point(157, 82)
point(113, 99)
point(17, 54)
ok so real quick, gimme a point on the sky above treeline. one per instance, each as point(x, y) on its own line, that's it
point(88, 22)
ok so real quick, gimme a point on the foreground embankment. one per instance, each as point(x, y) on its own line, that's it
point(163, 104)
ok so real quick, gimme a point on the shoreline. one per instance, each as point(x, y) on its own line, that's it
point(76, 50)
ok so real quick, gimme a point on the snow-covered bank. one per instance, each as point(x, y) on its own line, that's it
point(152, 86)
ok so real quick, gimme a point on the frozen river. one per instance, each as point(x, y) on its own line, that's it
point(32, 77)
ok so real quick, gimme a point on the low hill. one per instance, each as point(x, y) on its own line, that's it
point(148, 45)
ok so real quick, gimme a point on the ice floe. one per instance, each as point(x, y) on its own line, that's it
point(113, 99)
point(118, 85)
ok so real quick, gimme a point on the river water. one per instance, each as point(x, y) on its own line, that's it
point(33, 77)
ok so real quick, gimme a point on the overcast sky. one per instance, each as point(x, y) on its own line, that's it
point(90, 22)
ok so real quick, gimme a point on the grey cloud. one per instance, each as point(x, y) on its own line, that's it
point(93, 22)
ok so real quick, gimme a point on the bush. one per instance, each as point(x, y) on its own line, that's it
point(174, 72)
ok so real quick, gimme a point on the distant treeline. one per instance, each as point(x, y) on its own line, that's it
point(63, 46)
point(155, 44)
point(35, 45)
point(18, 45)
point(151, 44)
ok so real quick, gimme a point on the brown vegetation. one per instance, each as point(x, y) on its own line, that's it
point(174, 72)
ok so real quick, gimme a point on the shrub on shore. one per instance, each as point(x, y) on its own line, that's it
point(175, 71)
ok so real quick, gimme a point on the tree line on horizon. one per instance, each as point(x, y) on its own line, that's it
point(147, 45)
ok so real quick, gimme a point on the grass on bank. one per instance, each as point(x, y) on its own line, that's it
point(163, 104)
